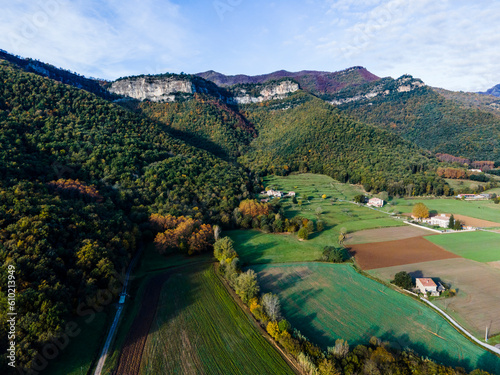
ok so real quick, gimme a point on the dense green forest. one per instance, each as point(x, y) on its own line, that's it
point(204, 122)
point(453, 126)
point(79, 177)
point(303, 133)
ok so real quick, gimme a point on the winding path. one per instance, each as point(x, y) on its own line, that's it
point(459, 327)
point(112, 330)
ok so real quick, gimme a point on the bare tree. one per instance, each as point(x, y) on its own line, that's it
point(217, 231)
point(271, 304)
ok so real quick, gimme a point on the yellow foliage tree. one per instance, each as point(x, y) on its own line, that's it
point(420, 211)
point(273, 329)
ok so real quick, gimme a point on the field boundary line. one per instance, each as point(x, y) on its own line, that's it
point(460, 328)
point(288, 359)
point(421, 226)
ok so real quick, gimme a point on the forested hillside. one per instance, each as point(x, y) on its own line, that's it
point(303, 133)
point(79, 177)
point(204, 122)
point(424, 116)
point(46, 70)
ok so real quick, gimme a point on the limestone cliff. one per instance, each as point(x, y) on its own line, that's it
point(272, 91)
point(157, 90)
point(167, 88)
point(380, 88)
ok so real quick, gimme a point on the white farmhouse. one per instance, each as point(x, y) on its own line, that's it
point(427, 285)
point(274, 193)
point(442, 220)
point(375, 202)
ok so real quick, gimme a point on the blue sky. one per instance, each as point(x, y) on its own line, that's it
point(448, 43)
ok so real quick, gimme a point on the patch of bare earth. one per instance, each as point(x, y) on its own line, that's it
point(477, 302)
point(385, 234)
point(394, 253)
point(473, 222)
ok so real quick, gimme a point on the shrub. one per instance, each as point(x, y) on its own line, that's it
point(403, 280)
point(303, 233)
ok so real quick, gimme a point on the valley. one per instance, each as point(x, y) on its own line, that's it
point(287, 165)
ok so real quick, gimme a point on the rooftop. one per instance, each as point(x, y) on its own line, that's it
point(427, 282)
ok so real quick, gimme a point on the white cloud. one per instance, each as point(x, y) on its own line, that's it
point(452, 44)
point(103, 38)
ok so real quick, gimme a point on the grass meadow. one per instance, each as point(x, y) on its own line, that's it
point(486, 210)
point(257, 247)
point(326, 302)
point(479, 245)
point(199, 329)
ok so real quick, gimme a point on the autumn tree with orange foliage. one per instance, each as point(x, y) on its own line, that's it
point(76, 189)
point(253, 208)
point(186, 234)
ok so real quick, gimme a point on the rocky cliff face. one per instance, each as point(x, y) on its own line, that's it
point(165, 89)
point(381, 88)
point(268, 92)
point(156, 90)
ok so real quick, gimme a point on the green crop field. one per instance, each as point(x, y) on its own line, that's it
point(326, 302)
point(199, 329)
point(460, 184)
point(150, 264)
point(486, 210)
point(479, 246)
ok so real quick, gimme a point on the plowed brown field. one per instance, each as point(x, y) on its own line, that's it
point(131, 355)
point(394, 253)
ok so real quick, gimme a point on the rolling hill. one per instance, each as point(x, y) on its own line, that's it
point(436, 120)
point(303, 133)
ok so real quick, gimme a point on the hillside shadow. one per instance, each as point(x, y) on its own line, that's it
point(255, 254)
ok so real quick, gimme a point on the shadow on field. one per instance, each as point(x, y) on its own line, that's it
point(254, 254)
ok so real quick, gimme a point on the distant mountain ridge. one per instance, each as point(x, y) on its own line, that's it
point(92, 85)
point(495, 91)
point(315, 82)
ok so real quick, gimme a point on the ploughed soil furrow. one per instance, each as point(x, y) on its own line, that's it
point(131, 355)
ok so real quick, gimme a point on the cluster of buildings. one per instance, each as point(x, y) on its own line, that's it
point(276, 194)
point(441, 220)
point(474, 197)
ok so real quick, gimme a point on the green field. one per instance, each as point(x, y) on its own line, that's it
point(495, 190)
point(326, 302)
point(150, 264)
point(479, 246)
point(254, 247)
point(486, 210)
point(460, 184)
point(313, 185)
point(199, 329)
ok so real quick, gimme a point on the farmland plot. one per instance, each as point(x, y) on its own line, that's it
point(199, 329)
point(326, 302)
point(393, 253)
point(477, 303)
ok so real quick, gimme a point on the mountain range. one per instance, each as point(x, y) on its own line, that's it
point(85, 162)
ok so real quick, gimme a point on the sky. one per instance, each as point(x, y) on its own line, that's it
point(453, 44)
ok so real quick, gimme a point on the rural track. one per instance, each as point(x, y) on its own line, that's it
point(112, 330)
